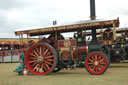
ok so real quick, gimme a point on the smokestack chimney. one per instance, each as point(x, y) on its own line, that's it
point(93, 17)
point(92, 10)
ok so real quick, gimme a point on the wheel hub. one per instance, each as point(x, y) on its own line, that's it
point(40, 58)
point(96, 63)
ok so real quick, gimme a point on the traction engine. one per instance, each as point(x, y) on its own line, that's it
point(115, 46)
point(54, 53)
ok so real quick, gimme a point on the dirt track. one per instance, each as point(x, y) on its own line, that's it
point(117, 74)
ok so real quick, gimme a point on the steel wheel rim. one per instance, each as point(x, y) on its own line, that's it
point(96, 63)
point(35, 64)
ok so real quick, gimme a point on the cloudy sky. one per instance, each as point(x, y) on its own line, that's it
point(17, 14)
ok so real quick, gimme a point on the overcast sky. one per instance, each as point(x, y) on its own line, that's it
point(17, 14)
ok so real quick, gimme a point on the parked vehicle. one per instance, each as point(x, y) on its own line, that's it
point(114, 42)
point(54, 53)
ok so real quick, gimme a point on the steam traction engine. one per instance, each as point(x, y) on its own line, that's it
point(55, 52)
point(115, 43)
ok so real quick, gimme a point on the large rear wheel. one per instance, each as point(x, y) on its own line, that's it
point(96, 63)
point(41, 59)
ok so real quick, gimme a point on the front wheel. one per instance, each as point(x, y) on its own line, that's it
point(96, 63)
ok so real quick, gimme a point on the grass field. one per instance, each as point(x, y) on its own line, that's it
point(117, 74)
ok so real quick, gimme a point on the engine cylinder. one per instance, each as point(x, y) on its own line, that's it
point(94, 47)
point(83, 50)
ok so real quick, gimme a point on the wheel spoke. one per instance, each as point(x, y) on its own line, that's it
point(48, 56)
point(36, 67)
point(96, 57)
point(47, 65)
point(103, 63)
point(96, 69)
point(91, 66)
point(45, 52)
point(90, 63)
point(48, 62)
point(33, 58)
point(36, 53)
point(43, 49)
point(99, 58)
point(40, 50)
point(99, 68)
point(34, 64)
point(33, 54)
point(32, 61)
point(44, 66)
point(41, 69)
point(90, 60)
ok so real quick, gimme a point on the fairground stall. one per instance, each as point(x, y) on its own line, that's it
point(9, 50)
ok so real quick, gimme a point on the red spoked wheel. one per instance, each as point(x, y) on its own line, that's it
point(41, 59)
point(96, 63)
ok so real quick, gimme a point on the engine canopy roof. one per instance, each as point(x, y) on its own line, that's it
point(84, 25)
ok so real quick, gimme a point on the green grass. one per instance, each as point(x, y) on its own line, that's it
point(117, 74)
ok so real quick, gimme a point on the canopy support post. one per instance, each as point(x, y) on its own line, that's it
point(114, 32)
point(56, 35)
point(22, 39)
point(27, 38)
